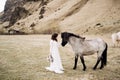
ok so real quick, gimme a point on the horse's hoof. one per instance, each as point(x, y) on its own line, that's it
point(84, 69)
point(74, 68)
point(101, 67)
point(94, 68)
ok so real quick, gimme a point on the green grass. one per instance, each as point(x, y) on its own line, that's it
point(23, 57)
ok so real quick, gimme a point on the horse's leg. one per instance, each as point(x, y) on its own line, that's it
point(76, 60)
point(102, 65)
point(82, 60)
point(118, 42)
point(103, 57)
point(98, 60)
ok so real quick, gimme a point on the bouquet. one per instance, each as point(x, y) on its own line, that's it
point(50, 58)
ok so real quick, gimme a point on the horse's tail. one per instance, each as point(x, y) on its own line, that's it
point(104, 55)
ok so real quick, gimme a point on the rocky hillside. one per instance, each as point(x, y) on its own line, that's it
point(48, 16)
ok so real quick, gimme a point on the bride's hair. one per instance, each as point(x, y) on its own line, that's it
point(54, 36)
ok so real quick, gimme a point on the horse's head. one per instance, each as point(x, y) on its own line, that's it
point(65, 38)
point(66, 35)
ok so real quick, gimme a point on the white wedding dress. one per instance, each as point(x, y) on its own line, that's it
point(56, 65)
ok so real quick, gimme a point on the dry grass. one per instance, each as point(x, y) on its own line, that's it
point(23, 57)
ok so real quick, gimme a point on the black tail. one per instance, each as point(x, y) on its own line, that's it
point(104, 55)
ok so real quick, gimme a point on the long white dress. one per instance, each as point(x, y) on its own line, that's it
point(56, 65)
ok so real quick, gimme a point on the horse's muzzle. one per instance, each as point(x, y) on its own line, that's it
point(63, 43)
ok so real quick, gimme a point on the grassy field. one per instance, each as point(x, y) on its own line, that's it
point(23, 57)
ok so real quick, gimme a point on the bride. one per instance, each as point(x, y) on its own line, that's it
point(55, 60)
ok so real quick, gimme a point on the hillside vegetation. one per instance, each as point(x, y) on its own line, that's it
point(48, 16)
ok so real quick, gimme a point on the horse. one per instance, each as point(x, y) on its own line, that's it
point(115, 38)
point(83, 47)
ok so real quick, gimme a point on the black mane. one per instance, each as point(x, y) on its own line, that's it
point(77, 36)
point(67, 34)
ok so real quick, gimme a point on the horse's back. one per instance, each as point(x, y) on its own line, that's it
point(118, 34)
point(96, 43)
point(115, 37)
point(99, 40)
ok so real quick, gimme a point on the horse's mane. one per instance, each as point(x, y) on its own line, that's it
point(77, 36)
point(71, 34)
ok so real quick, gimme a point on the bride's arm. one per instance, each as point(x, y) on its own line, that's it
point(51, 47)
point(59, 44)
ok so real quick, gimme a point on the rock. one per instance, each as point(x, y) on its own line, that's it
point(99, 25)
point(5, 24)
point(13, 32)
point(17, 14)
point(9, 7)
